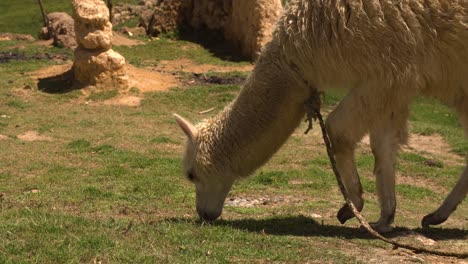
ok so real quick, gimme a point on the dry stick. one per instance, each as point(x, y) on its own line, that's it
point(109, 6)
point(44, 15)
point(206, 111)
point(314, 113)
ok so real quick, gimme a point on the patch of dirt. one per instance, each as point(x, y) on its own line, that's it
point(46, 43)
point(147, 80)
point(14, 36)
point(390, 256)
point(203, 79)
point(8, 56)
point(53, 70)
point(3, 137)
point(126, 100)
point(33, 136)
point(299, 182)
point(186, 65)
point(434, 145)
point(121, 40)
point(144, 80)
point(262, 201)
point(425, 183)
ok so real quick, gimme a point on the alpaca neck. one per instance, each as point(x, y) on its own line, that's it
point(250, 130)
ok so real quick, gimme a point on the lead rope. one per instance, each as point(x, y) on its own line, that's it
point(313, 106)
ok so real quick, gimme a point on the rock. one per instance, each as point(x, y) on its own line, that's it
point(247, 24)
point(251, 24)
point(145, 19)
point(100, 69)
point(163, 19)
point(210, 14)
point(91, 12)
point(61, 29)
point(96, 64)
point(94, 37)
point(93, 28)
point(44, 33)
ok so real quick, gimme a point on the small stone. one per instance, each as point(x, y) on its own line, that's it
point(315, 216)
point(61, 28)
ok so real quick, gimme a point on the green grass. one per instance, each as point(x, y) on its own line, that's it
point(102, 96)
point(429, 117)
point(17, 103)
point(109, 187)
point(153, 52)
point(27, 14)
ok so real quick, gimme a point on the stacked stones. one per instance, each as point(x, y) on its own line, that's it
point(96, 64)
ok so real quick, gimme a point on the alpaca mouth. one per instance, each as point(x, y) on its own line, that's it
point(208, 216)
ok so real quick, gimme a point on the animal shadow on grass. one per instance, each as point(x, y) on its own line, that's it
point(308, 227)
point(58, 84)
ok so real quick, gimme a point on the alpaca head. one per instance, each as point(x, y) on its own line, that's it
point(212, 181)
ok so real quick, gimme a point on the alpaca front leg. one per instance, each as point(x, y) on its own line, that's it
point(385, 141)
point(345, 127)
point(350, 177)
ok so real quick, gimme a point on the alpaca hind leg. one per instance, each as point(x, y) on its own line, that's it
point(346, 125)
point(460, 190)
point(385, 142)
point(450, 203)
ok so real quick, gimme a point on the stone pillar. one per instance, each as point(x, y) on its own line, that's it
point(96, 64)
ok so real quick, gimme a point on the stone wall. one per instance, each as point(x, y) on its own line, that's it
point(250, 24)
point(247, 24)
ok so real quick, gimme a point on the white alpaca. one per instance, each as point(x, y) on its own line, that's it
point(385, 53)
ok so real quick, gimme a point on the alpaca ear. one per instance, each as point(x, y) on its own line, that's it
point(187, 127)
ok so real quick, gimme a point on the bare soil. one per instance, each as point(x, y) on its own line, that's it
point(147, 80)
point(431, 146)
point(14, 36)
point(121, 40)
point(33, 136)
point(151, 79)
point(50, 71)
point(434, 145)
point(186, 65)
point(262, 201)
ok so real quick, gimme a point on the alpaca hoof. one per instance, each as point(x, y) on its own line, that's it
point(432, 219)
point(379, 228)
point(344, 214)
